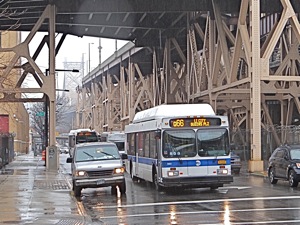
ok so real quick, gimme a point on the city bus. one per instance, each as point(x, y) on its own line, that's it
point(80, 136)
point(184, 145)
point(117, 137)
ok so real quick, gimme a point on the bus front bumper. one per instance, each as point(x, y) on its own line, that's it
point(207, 181)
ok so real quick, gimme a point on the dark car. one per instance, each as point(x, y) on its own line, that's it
point(235, 163)
point(284, 164)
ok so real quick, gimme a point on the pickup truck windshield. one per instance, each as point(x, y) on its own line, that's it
point(90, 153)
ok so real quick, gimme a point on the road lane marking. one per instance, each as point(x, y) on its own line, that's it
point(206, 212)
point(199, 201)
point(235, 187)
point(258, 222)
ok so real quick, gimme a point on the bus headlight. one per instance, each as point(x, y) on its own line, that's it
point(119, 170)
point(222, 171)
point(173, 173)
point(80, 173)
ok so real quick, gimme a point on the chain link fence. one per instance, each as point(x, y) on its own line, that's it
point(241, 140)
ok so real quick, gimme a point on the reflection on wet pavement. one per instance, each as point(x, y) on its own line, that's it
point(30, 194)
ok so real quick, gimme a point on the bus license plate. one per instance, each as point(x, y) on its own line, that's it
point(100, 182)
point(222, 162)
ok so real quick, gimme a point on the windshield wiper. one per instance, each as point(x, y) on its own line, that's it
point(105, 153)
point(89, 154)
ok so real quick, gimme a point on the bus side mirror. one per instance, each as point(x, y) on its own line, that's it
point(158, 134)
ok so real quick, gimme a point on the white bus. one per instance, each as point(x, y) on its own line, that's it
point(81, 136)
point(184, 145)
point(118, 137)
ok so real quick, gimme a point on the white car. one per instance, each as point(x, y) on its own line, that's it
point(97, 164)
point(64, 149)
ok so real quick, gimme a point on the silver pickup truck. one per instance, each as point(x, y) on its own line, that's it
point(97, 164)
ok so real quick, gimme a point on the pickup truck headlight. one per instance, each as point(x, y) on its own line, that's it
point(80, 173)
point(119, 170)
point(298, 165)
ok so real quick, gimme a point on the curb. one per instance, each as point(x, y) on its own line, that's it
point(86, 218)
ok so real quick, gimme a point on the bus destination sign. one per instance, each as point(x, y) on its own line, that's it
point(194, 122)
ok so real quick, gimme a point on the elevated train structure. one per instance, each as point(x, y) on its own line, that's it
point(241, 56)
point(244, 61)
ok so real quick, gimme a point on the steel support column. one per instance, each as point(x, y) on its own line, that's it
point(255, 164)
point(52, 93)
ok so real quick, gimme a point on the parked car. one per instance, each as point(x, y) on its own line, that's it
point(284, 164)
point(235, 163)
point(97, 164)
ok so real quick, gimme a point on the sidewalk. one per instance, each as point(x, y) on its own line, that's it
point(244, 170)
point(31, 195)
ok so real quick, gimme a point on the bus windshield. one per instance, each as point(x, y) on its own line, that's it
point(187, 143)
point(179, 143)
point(213, 142)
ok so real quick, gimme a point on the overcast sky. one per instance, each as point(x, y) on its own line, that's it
point(74, 49)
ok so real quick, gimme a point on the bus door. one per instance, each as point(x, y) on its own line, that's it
point(157, 156)
point(138, 152)
point(136, 171)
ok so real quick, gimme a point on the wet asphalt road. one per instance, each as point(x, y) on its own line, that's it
point(248, 200)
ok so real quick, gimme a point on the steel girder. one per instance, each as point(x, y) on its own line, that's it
point(46, 83)
point(227, 63)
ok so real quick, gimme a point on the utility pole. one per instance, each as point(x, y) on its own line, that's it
point(90, 57)
point(100, 48)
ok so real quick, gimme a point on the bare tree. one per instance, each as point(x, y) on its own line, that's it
point(63, 107)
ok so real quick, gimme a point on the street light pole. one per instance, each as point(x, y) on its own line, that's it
point(46, 106)
point(90, 57)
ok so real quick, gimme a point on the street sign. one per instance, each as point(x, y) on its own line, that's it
point(40, 114)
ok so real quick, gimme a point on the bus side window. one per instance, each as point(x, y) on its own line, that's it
point(152, 147)
point(140, 144)
point(146, 144)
